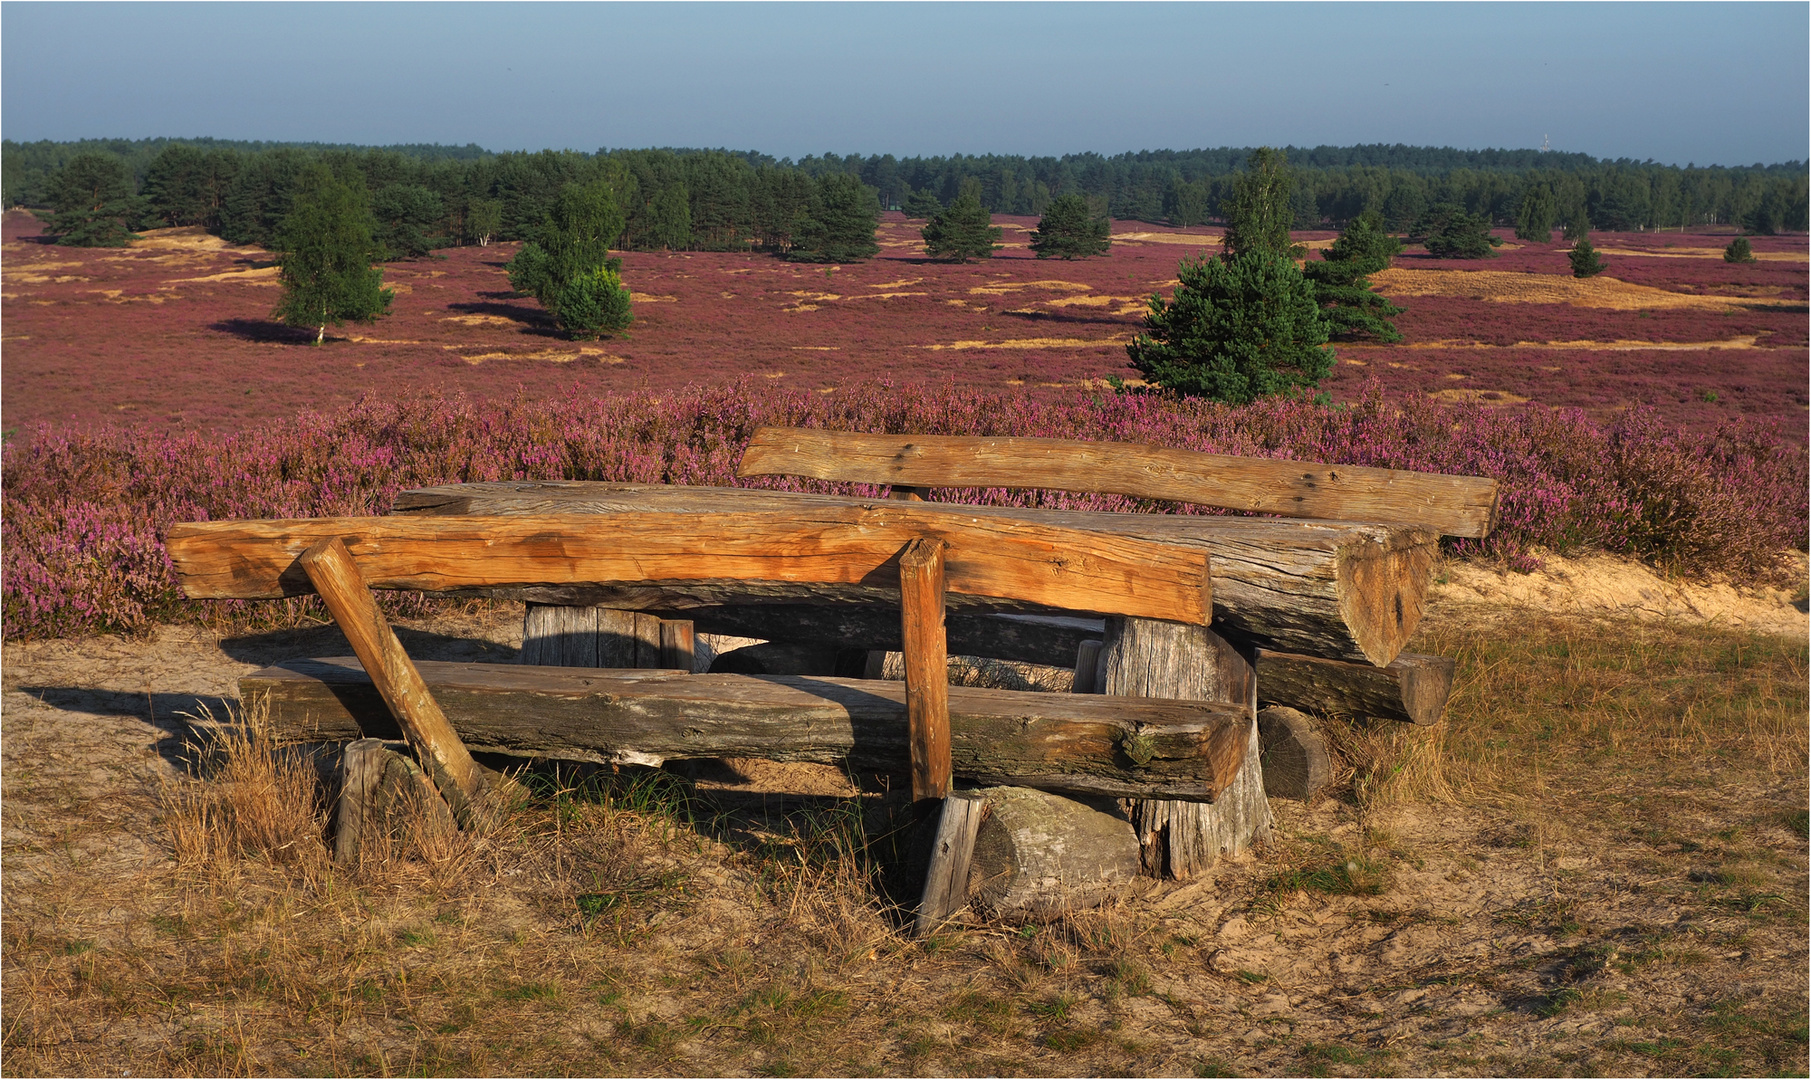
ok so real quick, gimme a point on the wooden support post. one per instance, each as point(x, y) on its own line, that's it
point(678, 648)
point(946, 884)
point(926, 666)
point(361, 766)
point(1087, 668)
point(1150, 658)
point(449, 765)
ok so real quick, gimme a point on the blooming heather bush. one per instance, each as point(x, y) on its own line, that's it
point(85, 513)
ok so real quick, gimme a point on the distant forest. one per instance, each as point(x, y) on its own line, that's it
point(426, 196)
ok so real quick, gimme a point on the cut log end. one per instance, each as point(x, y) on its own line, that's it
point(1382, 592)
point(1296, 764)
point(1040, 854)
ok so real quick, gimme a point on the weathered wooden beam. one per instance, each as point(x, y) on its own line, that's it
point(927, 681)
point(1454, 505)
point(946, 883)
point(1147, 658)
point(1346, 590)
point(1412, 688)
point(830, 546)
point(443, 756)
point(1088, 744)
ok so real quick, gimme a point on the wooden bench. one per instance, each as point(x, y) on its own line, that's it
point(1315, 606)
point(1184, 750)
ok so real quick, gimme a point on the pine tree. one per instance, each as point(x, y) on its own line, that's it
point(1577, 224)
point(325, 251)
point(407, 215)
point(962, 231)
point(1238, 328)
point(1451, 233)
point(1341, 281)
point(1739, 251)
point(1069, 230)
point(93, 202)
point(1261, 208)
point(922, 204)
point(1534, 220)
point(567, 265)
point(1585, 262)
point(839, 223)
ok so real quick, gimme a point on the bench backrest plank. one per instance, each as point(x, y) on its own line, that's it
point(1454, 505)
point(987, 557)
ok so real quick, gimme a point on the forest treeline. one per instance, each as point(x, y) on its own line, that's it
point(427, 196)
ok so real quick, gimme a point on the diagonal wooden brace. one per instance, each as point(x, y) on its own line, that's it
point(443, 756)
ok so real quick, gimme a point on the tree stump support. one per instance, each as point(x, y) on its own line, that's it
point(1152, 658)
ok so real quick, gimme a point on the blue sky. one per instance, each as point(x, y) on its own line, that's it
point(1710, 83)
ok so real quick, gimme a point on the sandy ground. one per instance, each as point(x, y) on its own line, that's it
point(1459, 965)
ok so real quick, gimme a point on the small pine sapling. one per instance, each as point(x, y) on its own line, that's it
point(1342, 281)
point(1585, 262)
point(1739, 251)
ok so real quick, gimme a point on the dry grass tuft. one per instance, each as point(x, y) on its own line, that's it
point(1386, 763)
point(257, 799)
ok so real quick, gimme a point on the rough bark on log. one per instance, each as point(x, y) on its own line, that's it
point(927, 680)
point(1038, 854)
point(1455, 505)
point(1412, 689)
point(449, 765)
point(952, 854)
point(1146, 658)
point(995, 558)
point(1296, 765)
point(1339, 589)
point(1092, 745)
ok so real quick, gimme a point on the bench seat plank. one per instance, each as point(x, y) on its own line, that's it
point(1080, 744)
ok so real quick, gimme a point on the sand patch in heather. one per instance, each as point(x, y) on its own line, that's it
point(1468, 396)
point(480, 320)
point(1004, 287)
point(263, 275)
point(1702, 253)
point(1025, 343)
point(1746, 341)
point(1604, 586)
point(651, 298)
point(1506, 286)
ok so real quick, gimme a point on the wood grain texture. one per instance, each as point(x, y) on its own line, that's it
point(678, 644)
point(1039, 854)
point(926, 667)
point(1145, 658)
point(1089, 744)
point(1278, 584)
point(1453, 505)
point(1296, 763)
point(1412, 689)
point(946, 882)
point(449, 765)
point(848, 545)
